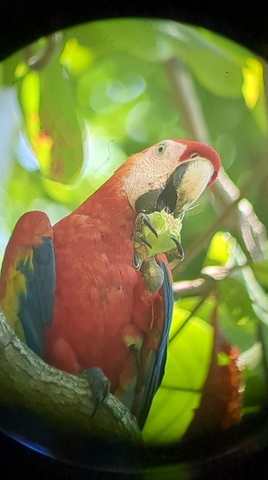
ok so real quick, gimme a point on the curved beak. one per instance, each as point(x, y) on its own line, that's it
point(182, 188)
point(190, 180)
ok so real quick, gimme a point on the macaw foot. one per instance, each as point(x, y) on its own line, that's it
point(152, 274)
point(140, 243)
point(99, 385)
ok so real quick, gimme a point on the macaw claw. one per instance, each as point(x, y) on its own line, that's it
point(137, 261)
point(140, 238)
point(152, 274)
point(143, 219)
point(99, 386)
point(179, 248)
point(140, 242)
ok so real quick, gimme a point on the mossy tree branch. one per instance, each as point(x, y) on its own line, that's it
point(63, 401)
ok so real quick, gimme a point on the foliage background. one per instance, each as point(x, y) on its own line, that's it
point(75, 105)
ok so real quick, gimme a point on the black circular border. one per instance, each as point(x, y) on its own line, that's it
point(20, 24)
point(25, 21)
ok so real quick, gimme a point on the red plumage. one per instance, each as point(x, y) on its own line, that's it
point(98, 292)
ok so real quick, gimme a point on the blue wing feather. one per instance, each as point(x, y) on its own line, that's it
point(157, 365)
point(168, 310)
point(36, 305)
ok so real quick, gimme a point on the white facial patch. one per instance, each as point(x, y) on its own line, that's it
point(153, 169)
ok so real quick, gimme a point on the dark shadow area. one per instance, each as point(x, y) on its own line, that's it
point(24, 22)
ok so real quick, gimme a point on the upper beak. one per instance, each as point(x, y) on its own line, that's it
point(182, 189)
point(190, 179)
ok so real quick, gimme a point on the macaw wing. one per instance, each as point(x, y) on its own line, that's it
point(27, 281)
point(155, 364)
point(36, 304)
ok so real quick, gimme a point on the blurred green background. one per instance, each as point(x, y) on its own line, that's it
point(75, 105)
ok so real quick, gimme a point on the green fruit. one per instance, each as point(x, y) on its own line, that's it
point(167, 227)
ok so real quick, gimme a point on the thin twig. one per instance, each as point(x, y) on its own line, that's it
point(191, 288)
point(41, 59)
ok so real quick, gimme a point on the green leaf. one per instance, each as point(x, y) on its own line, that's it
point(222, 359)
point(219, 249)
point(252, 357)
point(242, 334)
point(260, 271)
point(188, 359)
point(75, 57)
point(167, 228)
point(251, 363)
point(244, 296)
point(51, 123)
point(8, 69)
point(216, 67)
point(22, 189)
point(137, 37)
point(216, 64)
point(238, 288)
point(235, 295)
point(256, 294)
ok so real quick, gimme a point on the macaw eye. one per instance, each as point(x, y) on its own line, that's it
point(160, 149)
point(194, 155)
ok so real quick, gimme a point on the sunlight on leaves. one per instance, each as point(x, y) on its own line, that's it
point(75, 57)
point(51, 123)
point(211, 63)
point(29, 97)
point(253, 81)
point(219, 249)
point(222, 359)
point(261, 272)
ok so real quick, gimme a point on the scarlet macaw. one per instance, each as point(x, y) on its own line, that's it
point(75, 293)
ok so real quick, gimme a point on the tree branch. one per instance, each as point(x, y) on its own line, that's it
point(193, 288)
point(42, 58)
point(64, 401)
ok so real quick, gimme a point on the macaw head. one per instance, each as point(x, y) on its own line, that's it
point(170, 175)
